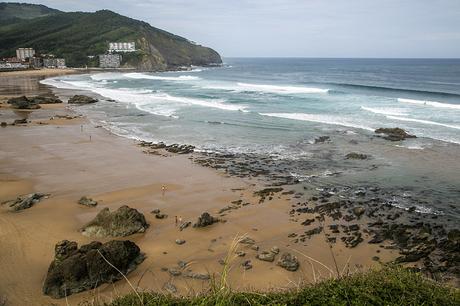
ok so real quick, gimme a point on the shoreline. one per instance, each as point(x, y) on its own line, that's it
point(62, 160)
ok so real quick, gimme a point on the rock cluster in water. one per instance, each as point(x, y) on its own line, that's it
point(174, 148)
point(76, 269)
point(394, 134)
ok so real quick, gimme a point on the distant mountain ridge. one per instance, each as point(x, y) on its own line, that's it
point(78, 35)
point(11, 11)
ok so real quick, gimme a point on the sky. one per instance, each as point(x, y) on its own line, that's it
point(302, 28)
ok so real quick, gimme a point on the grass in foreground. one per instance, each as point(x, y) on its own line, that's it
point(389, 286)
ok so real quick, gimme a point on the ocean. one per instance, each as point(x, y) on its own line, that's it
point(277, 107)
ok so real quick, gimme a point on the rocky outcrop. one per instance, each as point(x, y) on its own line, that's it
point(85, 201)
point(49, 99)
point(23, 103)
point(288, 262)
point(81, 99)
point(25, 201)
point(394, 134)
point(268, 255)
point(354, 155)
point(205, 220)
point(75, 270)
point(123, 222)
point(174, 148)
point(322, 139)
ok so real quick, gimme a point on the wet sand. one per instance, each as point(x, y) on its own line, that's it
point(60, 158)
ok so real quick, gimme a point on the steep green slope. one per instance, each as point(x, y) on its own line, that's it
point(76, 35)
point(11, 11)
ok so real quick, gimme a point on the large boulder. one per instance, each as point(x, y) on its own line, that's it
point(288, 262)
point(123, 222)
point(205, 219)
point(75, 270)
point(81, 99)
point(23, 103)
point(394, 134)
point(25, 201)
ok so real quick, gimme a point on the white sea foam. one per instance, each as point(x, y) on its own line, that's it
point(136, 75)
point(326, 119)
point(385, 111)
point(424, 122)
point(413, 147)
point(106, 76)
point(429, 103)
point(157, 103)
point(276, 89)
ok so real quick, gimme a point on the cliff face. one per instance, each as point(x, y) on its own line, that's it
point(76, 35)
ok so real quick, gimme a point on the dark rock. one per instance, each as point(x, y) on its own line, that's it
point(174, 272)
point(314, 231)
point(185, 225)
point(170, 287)
point(25, 201)
point(288, 262)
point(394, 134)
point(81, 99)
point(308, 222)
point(161, 216)
point(87, 202)
point(20, 121)
point(266, 256)
point(75, 270)
point(247, 265)
point(198, 276)
point(354, 155)
point(358, 211)
point(23, 103)
point(3, 124)
point(50, 99)
point(205, 220)
point(322, 139)
point(123, 222)
point(247, 240)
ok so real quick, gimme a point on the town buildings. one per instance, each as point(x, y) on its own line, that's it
point(25, 53)
point(54, 63)
point(110, 60)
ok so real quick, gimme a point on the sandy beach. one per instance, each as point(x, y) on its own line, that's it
point(71, 158)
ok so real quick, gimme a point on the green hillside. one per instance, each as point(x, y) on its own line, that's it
point(12, 11)
point(77, 35)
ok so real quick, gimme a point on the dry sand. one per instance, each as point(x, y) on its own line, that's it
point(57, 157)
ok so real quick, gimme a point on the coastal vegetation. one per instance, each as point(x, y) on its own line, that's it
point(79, 37)
point(391, 285)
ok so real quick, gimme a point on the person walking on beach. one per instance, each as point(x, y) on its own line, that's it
point(163, 190)
point(176, 220)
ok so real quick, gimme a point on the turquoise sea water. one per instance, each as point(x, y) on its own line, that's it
point(269, 104)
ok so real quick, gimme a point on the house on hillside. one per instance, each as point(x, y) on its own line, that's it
point(122, 47)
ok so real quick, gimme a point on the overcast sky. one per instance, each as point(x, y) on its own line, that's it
point(308, 28)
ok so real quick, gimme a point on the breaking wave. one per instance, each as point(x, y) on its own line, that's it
point(429, 103)
point(326, 119)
